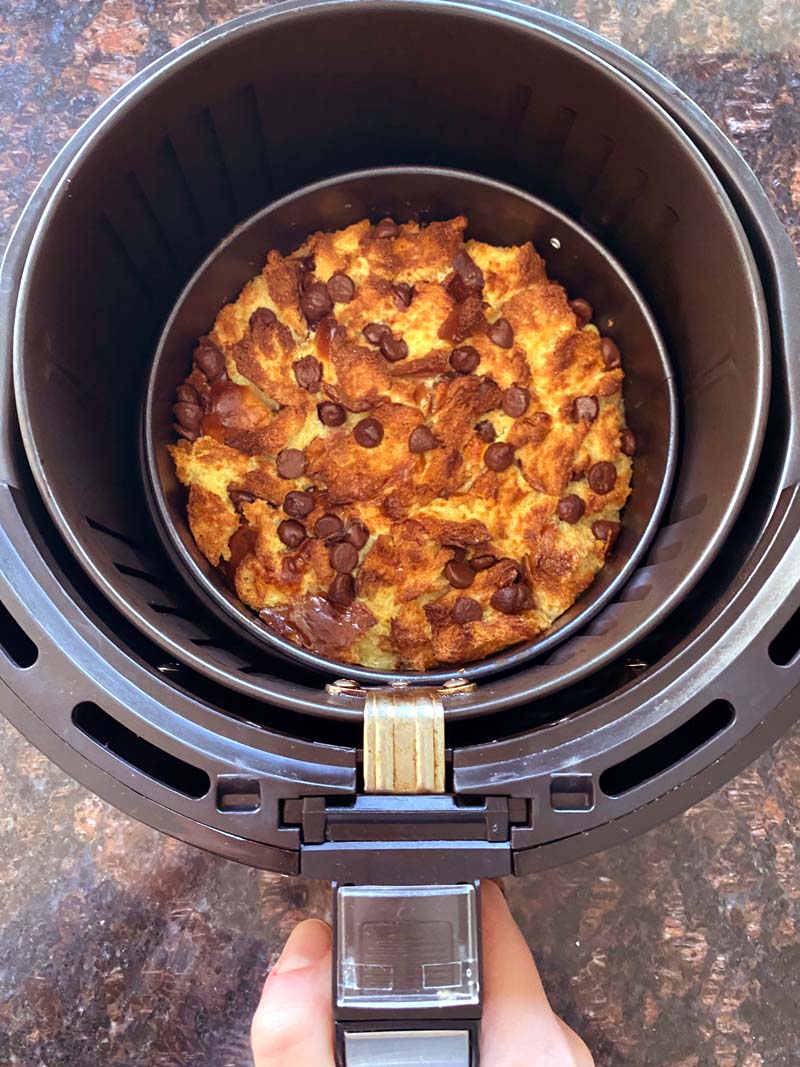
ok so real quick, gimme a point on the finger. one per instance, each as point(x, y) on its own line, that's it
point(519, 1026)
point(581, 1056)
point(293, 1024)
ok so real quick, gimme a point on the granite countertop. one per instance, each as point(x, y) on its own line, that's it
point(121, 946)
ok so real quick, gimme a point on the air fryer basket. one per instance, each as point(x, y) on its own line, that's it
point(498, 214)
point(221, 138)
point(111, 667)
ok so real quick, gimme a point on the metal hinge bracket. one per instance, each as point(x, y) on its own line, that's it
point(404, 750)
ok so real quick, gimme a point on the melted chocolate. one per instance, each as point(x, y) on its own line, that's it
point(226, 403)
point(316, 624)
point(325, 332)
point(242, 543)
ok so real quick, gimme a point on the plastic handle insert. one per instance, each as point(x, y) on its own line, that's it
point(407, 980)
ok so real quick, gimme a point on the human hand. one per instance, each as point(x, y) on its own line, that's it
point(293, 1024)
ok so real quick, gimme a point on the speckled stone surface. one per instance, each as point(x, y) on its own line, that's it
point(120, 946)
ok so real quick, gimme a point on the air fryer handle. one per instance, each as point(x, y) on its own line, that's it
point(407, 975)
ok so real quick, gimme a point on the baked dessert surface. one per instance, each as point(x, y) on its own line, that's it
point(404, 449)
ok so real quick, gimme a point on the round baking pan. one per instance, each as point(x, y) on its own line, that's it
point(497, 214)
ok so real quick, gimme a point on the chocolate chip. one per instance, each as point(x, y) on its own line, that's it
point(458, 292)
point(262, 317)
point(240, 496)
point(357, 534)
point(570, 508)
point(602, 477)
point(403, 294)
point(291, 463)
point(393, 349)
point(515, 401)
point(342, 590)
point(465, 360)
point(294, 565)
point(209, 359)
point(331, 414)
point(328, 526)
point(394, 506)
point(511, 569)
point(308, 373)
point(610, 353)
point(316, 303)
point(341, 288)
point(459, 574)
point(605, 530)
point(459, 552)
point(501, 333)
point(627, 442)
point(298, 504)
point(498, 456)
point(466, 609)
point(585, 407)
point(490, 396)
point(344, 557)
point(188, 415)
point(582, 310)
point(375, 332)
point(188, 394)
point(485, 431)
point(483, 562)
point(512, 599)
point(421, 440)
point(291, 532)
point(182, 431)
point(368, 433)
point(468, 271)
point(386, 228)
point(465, 318)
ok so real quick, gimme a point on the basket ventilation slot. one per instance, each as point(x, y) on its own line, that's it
point(148, 212)
point(117, 535)
point(182, 201)
point(15, 642)
point(785, 646)
point(146, 757)
point(124, 257)
point(669, 750)
point(169, 609)
point(142, 576)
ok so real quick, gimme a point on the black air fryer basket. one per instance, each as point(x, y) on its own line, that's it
point(114, 663)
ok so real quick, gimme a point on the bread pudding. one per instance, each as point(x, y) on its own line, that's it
point(404, 447)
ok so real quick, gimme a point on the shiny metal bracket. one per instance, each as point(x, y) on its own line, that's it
point(403, 734)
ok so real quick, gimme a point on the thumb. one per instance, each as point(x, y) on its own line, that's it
point(520, 1028)
point(293, 1023)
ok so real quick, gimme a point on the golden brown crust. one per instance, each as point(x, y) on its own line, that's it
point(361, 372)
point(431, 533)
point(282, 278)
point(212, 522)
point(349, 473)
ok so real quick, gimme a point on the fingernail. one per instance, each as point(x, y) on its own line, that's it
point(308, 944)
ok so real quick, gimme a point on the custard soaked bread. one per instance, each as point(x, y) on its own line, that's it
point(404, 449)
